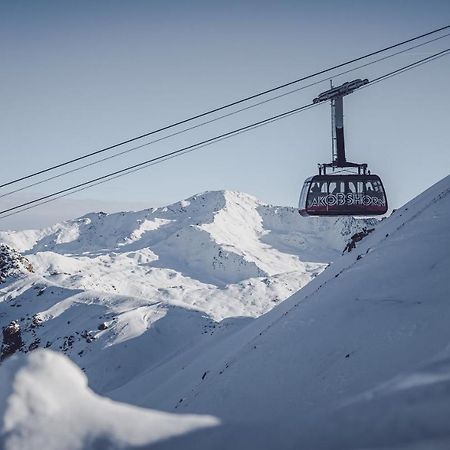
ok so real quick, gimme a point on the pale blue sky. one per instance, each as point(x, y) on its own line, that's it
point(78, 76)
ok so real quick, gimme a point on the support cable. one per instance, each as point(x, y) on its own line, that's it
point(131, 169)
point(166, 155)
point(132, 149)
point(220, 108)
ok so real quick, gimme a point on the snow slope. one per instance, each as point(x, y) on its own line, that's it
point(359, 358)
point(45, 403)
point(122, 293)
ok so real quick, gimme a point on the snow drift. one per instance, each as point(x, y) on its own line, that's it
point(45, 403)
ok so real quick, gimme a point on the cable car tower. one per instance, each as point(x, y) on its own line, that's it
point(359, 193)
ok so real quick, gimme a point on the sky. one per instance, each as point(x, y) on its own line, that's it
point(80, 76)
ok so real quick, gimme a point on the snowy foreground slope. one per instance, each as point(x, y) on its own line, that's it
point(120, 293)
point(359, 358)
point(45, 404)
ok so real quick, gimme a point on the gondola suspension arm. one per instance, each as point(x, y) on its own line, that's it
point(336, 96)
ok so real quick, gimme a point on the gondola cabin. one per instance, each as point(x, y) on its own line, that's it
point(343, 195)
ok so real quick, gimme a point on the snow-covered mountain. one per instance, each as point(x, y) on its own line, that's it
point(217, 238)
point(121, 293)
point(357, 358)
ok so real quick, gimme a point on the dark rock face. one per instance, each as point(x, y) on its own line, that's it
point(12, 340)
point(12, 263)
point(356, 238)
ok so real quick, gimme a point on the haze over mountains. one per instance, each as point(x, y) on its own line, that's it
point(161, 309)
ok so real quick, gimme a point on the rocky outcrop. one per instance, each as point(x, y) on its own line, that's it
point(12, 340)
point(351, 244)
point(12, 263)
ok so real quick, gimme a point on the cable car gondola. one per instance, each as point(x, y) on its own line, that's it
point(358, 193)
point(343, 195)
